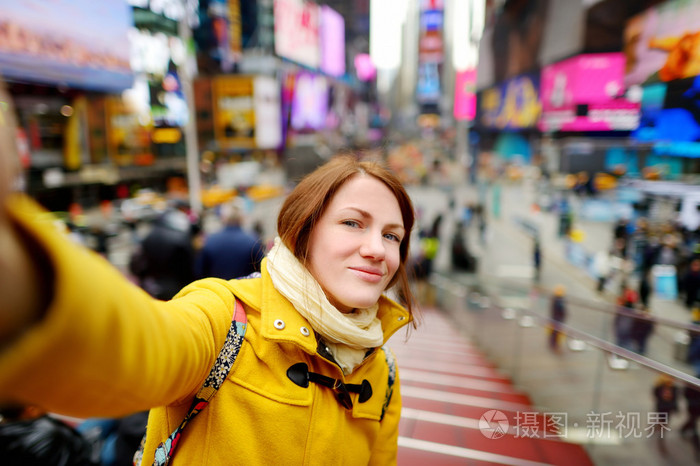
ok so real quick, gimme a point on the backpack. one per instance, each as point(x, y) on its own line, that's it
point(218, 373)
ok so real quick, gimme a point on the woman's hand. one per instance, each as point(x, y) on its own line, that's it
point(21, 278)
point(9, 158)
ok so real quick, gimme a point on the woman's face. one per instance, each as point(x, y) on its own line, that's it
point(354, 247)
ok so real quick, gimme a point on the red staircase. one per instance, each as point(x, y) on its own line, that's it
point(458, 409)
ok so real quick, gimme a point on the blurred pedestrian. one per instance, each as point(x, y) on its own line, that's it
point(481, 219)
point(642, 329)
point(537, 259)
point(621, 235)
point(645, 288)
point(462, 259)
point(691, 284)
point(693, 355)
point(164, 261)
point(601, 269)
point(467, 214)
point(231, 252)
point(665, 395)
point(690, 429)
point(625, 318)
point(558, 315)
point(566, 218)
point(650, 252)
point(429, 245)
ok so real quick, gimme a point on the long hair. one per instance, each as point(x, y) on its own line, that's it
point(307, 202)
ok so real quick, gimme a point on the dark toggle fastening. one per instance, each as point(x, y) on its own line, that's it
point(299, 374)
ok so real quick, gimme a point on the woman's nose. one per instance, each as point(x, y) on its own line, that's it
point(373, 246)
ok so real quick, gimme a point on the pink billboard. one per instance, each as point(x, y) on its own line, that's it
point(465, 95)
point(587, 93)
point(332, 42)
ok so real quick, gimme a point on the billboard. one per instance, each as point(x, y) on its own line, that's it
point(465, 95)
point(234, 112)
point(431, 47)
point(514, 104)
point(671, 117)
point(268, 113)
point(586, 93)
point(297, 31)
point(663, 43)
point(428, 84)
point(128, 141)
point(246, 111)
point(310, 102)
point(61, 43)
point(332, 42)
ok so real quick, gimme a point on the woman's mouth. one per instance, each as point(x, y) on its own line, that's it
point(368, 274)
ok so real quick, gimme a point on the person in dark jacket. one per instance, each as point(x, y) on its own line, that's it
point(689, 428)
point(621, 234)
point(558, 315)
point(231, 252)
point(642, 328)
point(645, 289)
point(164, 262)
point(665, 395)
point(537, 259)
point(691, 283)
point(461, 257)
point(625, 317)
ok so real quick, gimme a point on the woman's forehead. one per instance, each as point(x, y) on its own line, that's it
point(365, 189)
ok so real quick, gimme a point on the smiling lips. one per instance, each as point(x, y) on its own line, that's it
point(368, 274)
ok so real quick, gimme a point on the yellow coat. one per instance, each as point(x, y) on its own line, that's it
point(131, 353)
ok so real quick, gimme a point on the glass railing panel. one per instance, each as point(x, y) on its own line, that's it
point(593, 392)
point(667, 343)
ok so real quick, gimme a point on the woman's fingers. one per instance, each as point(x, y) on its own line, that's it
point(9, 159)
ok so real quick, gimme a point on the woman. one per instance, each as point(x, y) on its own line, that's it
point(78, 338)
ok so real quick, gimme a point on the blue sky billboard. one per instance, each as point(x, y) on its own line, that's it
point(74, 43)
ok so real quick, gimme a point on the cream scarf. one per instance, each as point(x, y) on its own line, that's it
point(348, 336)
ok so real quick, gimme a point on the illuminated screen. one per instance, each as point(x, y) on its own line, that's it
point(332, 42)
point(586, 93)
point(310, 102)
point(671, 117)
point(62, 42)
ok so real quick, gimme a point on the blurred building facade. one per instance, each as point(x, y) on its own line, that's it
point(595, 86)
point(98, 120)
point(586, 85)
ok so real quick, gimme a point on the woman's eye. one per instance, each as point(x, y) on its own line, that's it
point(351, 223)
point(392, 237)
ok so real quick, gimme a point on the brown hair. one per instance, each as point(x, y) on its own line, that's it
point(307, 202)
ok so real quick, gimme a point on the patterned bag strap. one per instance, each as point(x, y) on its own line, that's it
point(391, 363)
point(219, 371)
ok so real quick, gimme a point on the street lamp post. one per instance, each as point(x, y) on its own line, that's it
point(190, 130)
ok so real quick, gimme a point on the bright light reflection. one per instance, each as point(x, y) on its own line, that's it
point(386, 19)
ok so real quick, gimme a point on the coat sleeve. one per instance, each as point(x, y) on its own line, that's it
point(105, 347)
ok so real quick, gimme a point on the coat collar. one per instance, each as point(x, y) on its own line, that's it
point(281, 322)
